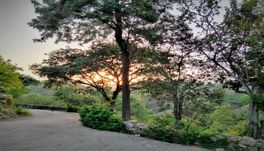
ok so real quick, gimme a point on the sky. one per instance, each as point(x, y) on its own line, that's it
point(16, 36)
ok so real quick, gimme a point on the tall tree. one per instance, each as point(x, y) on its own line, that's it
point(180, 78)
point(128, 21)
point(98, 67)
point(231, 45)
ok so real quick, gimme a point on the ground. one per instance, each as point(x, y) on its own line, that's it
point(60, 131)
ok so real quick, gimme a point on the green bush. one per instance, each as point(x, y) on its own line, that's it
point(162, 128)
point(98, 116)
point(22, 111)
point(239, 129)
point(210, 139)
point(188, 131)
point(222, 118)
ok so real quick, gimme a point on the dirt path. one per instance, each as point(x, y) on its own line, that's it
point(60, 131)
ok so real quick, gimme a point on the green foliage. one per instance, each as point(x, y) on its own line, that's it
point(69, 94)
point(71, 108)
point(236, 99)
point(16, 92)
point(28, 80)
point(221, 119)
point(9, 77)
point(161, 128)
point(259, 100)
point(164, 128)
point(210, 139)
point(188, 131)
point(239, 129)
point(22, 111)
point(53, 18)
point(138, 107)
point(32, 98)
point(98, 116)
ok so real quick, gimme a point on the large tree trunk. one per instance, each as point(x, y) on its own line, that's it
point(253, 120)
point(126, 112)
point(178, 110)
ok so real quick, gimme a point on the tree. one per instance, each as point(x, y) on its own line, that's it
point(9, 77)
point(98, 67)
point(28, 80)
point(135, 21)
point(231, 46)
point(176, 82)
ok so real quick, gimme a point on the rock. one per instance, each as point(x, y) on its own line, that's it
point(7, 113)
point(261, 149)
point(218, 138)
point(247, 141)
point(219, 149)
point(233, 139)
point(232, 146)
point(242, 147)
point(134, 127)
point(252, 149)
point(260, 143)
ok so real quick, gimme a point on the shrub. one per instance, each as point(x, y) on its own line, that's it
point(98, 116)
point(210, 139)
point(188, 131)
point(222, 118)
point(239, 129)
point(22, 111)
point(161, 128)
point(164, 128)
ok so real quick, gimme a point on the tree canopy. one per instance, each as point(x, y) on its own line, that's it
point(83, 21)
point(231, 44)
point(9, 77)
point(98, 67)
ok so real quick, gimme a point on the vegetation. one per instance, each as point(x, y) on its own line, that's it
point(22, 111)
point(98, 116)
point(226, 44)
point(68, 21)
point(9, 77)
point(189, 77)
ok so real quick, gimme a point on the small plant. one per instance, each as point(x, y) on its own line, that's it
point(98, 116)
point(22, 111)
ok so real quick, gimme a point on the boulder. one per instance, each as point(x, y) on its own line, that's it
point(247, 141)
point(134, 127)
point(260, 143)
point(233, 139)
point(252, 149)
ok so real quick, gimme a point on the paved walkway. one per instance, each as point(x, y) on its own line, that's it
point(60, 131)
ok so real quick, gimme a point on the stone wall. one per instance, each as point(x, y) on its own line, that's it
point(245, 143)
